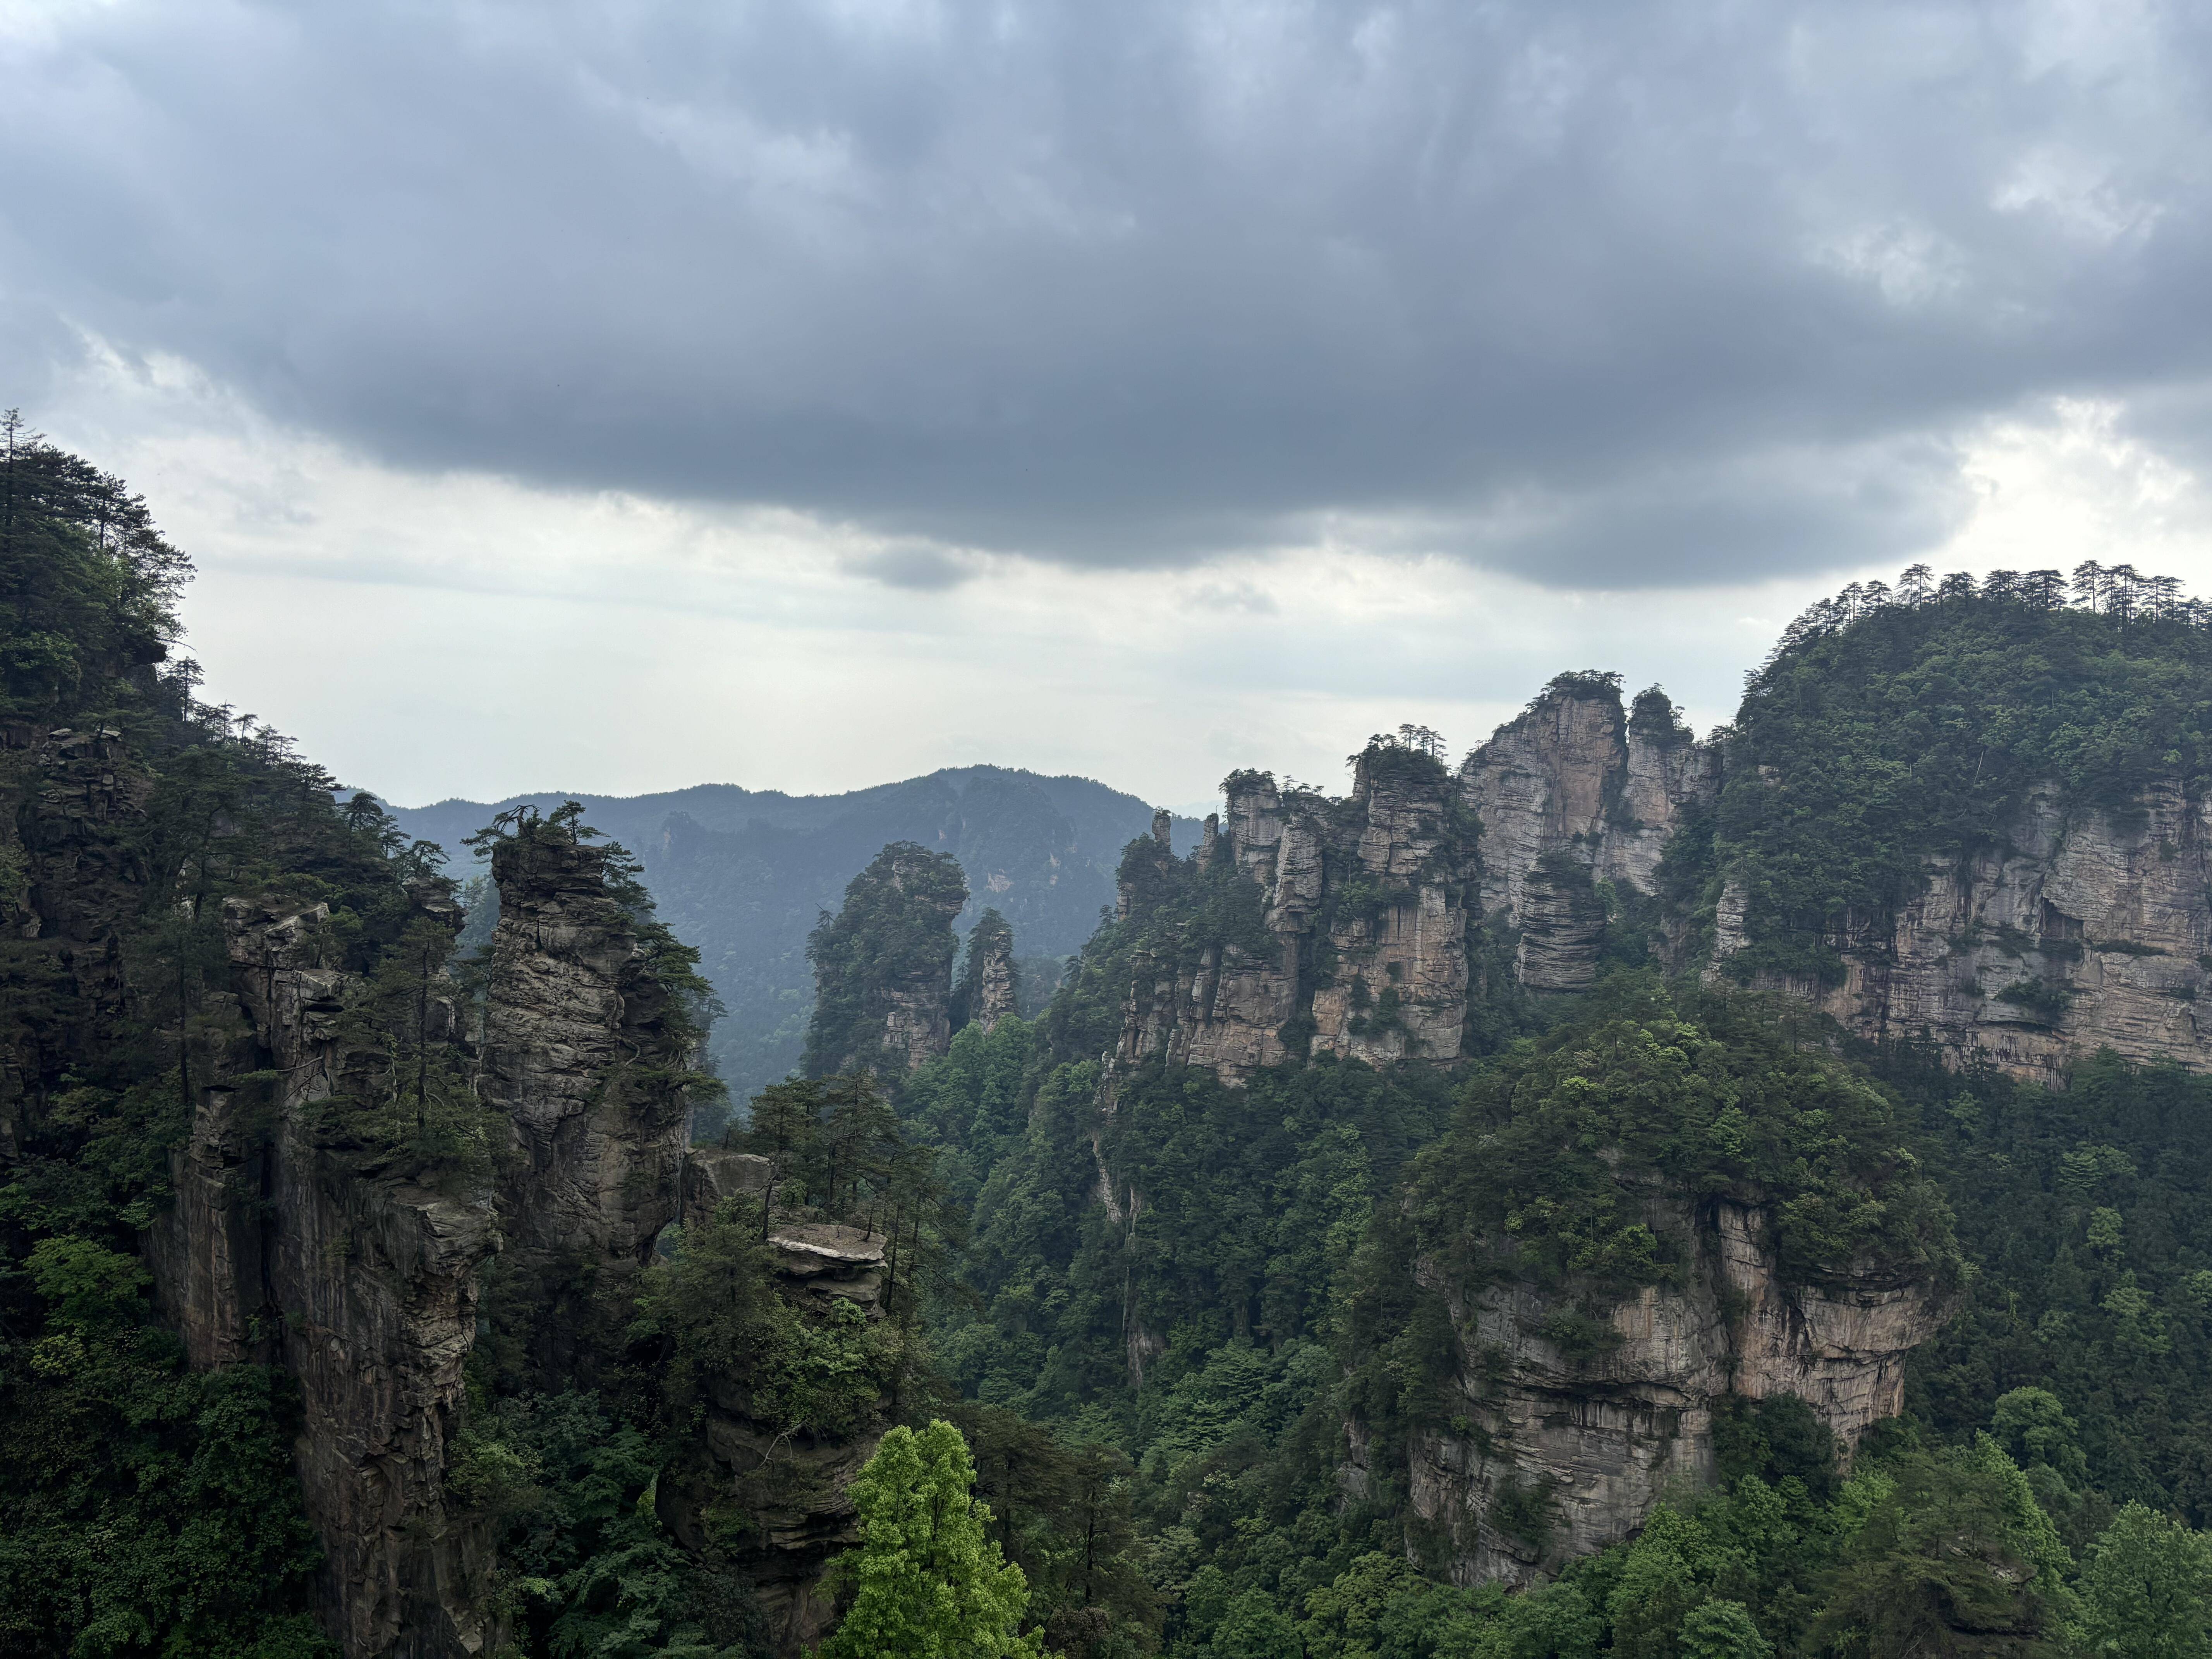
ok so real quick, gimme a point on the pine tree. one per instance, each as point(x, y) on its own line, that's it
point(927, 1577)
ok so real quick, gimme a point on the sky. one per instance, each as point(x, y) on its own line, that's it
point(803, 395)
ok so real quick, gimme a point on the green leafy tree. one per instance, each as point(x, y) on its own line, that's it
point(1955, 1558)
point(2146, 1590)
point(1722, 1630)
point(927, 1579)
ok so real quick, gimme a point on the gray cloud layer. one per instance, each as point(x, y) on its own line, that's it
point(1597, 294)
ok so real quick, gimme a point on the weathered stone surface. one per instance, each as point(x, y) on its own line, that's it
point(278, 1249)
point(1562, 924)
point(1607, 1437)
point(789, 1491)
point(712, 1175)
point(575, 1052)
point(1571, 783)
point(1364, 901)
point(1398, 988)
point(2082, 929)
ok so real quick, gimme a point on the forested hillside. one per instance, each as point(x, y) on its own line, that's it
point(1457, 1220)
point(744, 874)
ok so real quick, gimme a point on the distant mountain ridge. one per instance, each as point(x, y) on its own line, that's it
point(744, 874)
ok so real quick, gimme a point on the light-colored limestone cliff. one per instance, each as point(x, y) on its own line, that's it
point(575, 1052)
point(1571, 793)
point(1364, 920)
point(1397, 989)
point(1601, 1441)
point(2082, 929)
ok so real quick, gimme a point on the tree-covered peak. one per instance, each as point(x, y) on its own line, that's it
point(1892, 725)
point(1685, 1097)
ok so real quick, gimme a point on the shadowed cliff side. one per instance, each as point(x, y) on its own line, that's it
point(882, 966)
point(1658, 1213)
point(590, 1055)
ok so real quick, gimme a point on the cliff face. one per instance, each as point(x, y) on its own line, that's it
point(1361, 935)
point(1571, 793)
point(1550, 1456)
point(2076, 927)
point(576, 1053)
point(2081, 929)
point(281, 1247)
point(787, 1491)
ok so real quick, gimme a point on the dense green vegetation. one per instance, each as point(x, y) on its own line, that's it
point(1148, 1353)
point(927, 1577)
point(893, 936)
point(1893, 725)
point(144, 1509)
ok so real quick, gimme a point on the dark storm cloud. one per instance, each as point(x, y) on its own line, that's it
point(1653, 293)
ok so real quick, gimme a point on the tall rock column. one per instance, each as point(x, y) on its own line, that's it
point(293, 1243)
point(986, 993)
point(1396, 984)
point(882, 966)
point(579, 1051)
point(1578, 790)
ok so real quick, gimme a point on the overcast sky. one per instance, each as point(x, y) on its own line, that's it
point(802, 395)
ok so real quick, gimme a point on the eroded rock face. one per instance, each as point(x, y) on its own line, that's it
point(2082, 929)
point(1592, 1446)
point(2079, 929)
point(1574, 785)
point(1363, 930)
point(281, 1249)
point(788, 1493)
point(986, 993)
point(1397, 988)
point(575, 1033)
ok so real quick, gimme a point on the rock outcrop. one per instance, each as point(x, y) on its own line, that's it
point(577, 1052)
point(988, 993)
point(1355, 938)
point(289, 1243)
point(1545, 1456)
point(1575, 792)
point(2075, 927)
point(772, 1506)
point(883, 967)
point(2079, 928)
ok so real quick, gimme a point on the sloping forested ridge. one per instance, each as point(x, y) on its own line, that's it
point(1240, 1369)
point(143, 1508)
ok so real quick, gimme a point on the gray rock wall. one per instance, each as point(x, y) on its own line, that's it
point(281, 1248)
point(574, 1037)
point(1603, 1440)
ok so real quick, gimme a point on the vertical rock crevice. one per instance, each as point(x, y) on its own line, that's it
point(580, 1054)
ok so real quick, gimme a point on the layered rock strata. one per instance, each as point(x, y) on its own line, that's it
point(1545, 1457)
point(2079, 928)
point(1360, 943)
point(2076, 927)
point(1571, 793)
point(579, 1054)
point(283, 1247)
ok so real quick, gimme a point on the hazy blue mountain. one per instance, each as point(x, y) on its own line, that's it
point(744, 874)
